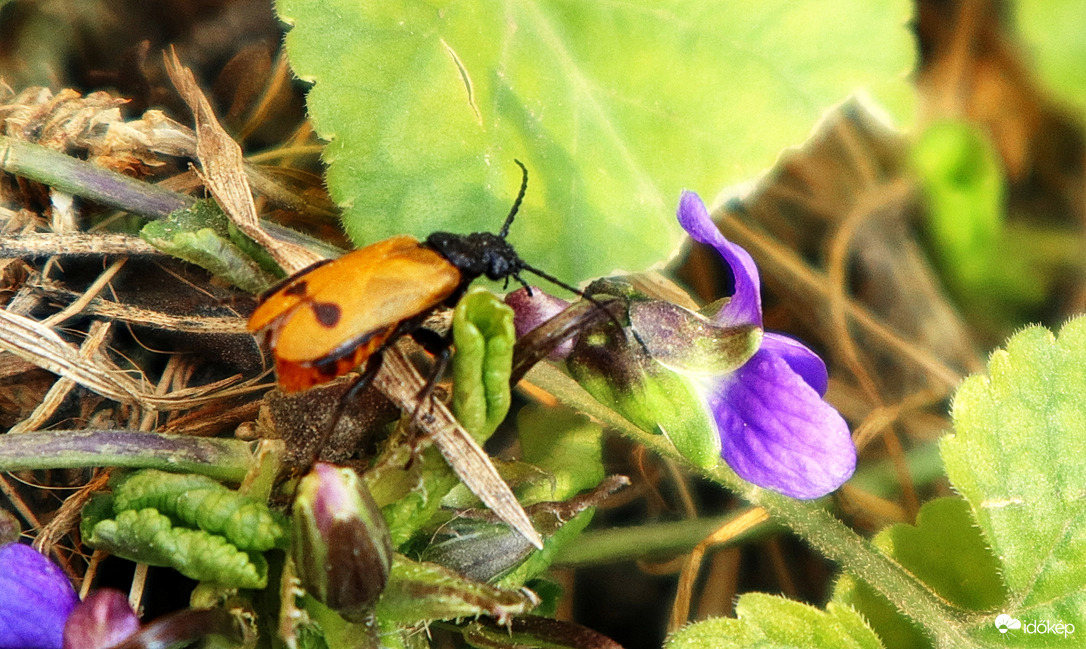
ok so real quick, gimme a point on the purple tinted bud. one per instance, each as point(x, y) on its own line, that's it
point(102, 620)
point(341, 546)
point(35, 599)
point(530, 311)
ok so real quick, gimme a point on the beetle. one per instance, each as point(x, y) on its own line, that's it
point(339, 314)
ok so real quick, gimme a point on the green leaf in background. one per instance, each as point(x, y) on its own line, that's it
point(946, 551)
point(1053, 30)
point(614, 107)
point(1016, 457)
point(993, 271)
point(770, 622)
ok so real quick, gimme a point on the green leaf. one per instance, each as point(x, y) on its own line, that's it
point(198, 501)
point(1053, 29)
point(770, 622)
point(149, 537)
point(484, 337)
point(614, 107)
point(946, 551)
point(202, 235)
point(990, 269)
point(421, 592)
point(566, 444)
point(1016, 457)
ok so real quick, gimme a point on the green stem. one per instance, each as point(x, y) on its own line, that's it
point(81, 178)
point(222, 459)
point(808, 519)
point(87, 180)
point(629, 543)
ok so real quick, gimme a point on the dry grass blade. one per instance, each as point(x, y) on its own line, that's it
point(224, 171)
point(42, 244)
point(33, 342)
point(402, 383)
point(737, 526)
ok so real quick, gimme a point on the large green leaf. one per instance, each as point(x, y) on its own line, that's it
point(947, 552)
point(770, 622)
point(614, 107)
point(1016, 457)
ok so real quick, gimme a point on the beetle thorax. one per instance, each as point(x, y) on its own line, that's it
point(481, 253)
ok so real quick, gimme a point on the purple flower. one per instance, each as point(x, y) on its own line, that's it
point(35, 599)
point(776, 430)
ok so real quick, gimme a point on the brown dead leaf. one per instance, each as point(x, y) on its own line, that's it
point(224, 172)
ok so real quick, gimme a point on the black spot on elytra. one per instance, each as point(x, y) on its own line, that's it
point(297, 288)
point(328, 314)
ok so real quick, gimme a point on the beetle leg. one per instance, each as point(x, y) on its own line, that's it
point(440, 347)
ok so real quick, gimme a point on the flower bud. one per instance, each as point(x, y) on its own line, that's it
point(341, 547)
point(532, 310)
point(102, 620)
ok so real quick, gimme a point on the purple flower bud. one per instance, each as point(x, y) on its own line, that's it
point(341, 549)
point(530, 311)
point(35, 599)
point(102, 620)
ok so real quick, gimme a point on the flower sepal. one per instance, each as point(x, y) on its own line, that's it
point(647, 372)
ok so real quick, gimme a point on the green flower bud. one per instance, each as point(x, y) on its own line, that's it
point(342, 551)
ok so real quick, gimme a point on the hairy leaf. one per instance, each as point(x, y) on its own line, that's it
point(614, 108)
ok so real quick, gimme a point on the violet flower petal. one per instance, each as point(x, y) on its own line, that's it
point(102, 620)
point(800, 358)
point(745, 306)
point(35, 599)
point(778, 433)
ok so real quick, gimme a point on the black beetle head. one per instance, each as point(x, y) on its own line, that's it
point(477, 254)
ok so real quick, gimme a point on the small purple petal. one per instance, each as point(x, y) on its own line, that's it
point(745, 306)
point(530, 311)
point(802, 360)
point(102, 620)
point(778, 433)
point(35, 599)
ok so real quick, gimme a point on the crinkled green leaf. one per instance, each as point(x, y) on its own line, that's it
point(420, 592)
point(202, 235)
point(149, 537)
point(484, 336)
point(770, 622)
point(946, 551)
point(1056, 45)
point(614, 108)
point(1016, 457)
point(199, 501)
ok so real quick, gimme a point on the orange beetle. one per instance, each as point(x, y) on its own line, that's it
point(337, 315)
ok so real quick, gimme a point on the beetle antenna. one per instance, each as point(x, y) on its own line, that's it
point(572, 289)
point(516, 204)
point(576, 291)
